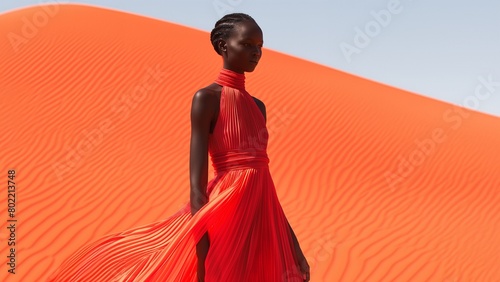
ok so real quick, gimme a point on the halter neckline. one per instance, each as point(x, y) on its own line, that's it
point(231, 79)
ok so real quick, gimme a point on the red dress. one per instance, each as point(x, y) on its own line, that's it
point(249, 235)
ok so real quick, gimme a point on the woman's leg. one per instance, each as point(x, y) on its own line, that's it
point(201, 252)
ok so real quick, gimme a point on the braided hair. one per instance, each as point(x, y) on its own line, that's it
point(224, 27)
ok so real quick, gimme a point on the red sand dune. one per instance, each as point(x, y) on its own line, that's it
point(378, 183)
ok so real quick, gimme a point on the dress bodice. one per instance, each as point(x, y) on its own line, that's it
point(240, 136)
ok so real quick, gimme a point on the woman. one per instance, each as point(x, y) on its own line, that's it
point(233, 229)
point(238, 39)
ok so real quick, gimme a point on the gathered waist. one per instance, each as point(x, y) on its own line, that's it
point(240, 159)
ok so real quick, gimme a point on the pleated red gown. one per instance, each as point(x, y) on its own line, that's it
point(249, 235)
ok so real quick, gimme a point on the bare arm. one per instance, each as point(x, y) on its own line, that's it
point(296, 245)
point(303, 264)
point(202, 111)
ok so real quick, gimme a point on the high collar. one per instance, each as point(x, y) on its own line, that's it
point(231, 79)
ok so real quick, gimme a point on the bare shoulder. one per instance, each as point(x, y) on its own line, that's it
point(261, 105)
point(206, 96)
point(259, 102)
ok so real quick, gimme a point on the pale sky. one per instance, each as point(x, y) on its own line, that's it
point(447, 50)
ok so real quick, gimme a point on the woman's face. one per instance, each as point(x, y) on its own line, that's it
point(243, 49)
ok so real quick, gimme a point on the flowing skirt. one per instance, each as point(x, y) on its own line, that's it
point(250, 240)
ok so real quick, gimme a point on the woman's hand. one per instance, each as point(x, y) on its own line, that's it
point(304, 267)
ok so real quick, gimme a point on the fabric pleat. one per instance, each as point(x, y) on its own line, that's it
point(249, 234)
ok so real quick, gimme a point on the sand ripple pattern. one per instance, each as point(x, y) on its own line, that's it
point(379, 184)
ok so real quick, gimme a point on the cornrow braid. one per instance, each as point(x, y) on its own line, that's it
point(224, 27)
